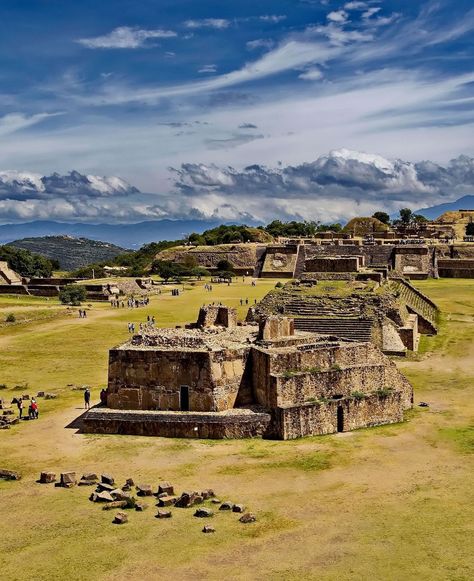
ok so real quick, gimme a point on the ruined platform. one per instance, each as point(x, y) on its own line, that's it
point(234, 423)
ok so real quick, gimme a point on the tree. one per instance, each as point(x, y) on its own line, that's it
point(470, 229)
point(419, 219)
point(25, 262)
point(224, 266)
point(406, 216)
point(382, 217)
point(72, 294)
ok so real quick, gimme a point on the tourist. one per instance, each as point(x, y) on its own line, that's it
point(33, 410)
point(103, 397)
point(19, 403)
point(87, 399)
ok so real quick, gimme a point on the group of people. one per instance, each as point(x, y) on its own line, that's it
point(133, 303)
point(82, 314)
point(33, 411)
point(87, 398)
point(116, 304)
point(208, 287)
point(150, 324)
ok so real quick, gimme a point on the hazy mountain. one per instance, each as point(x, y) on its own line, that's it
point(70, 252)
point(464, 203)
point(125, 235)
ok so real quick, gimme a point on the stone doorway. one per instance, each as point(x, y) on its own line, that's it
point(340, 419)
point(184, 398)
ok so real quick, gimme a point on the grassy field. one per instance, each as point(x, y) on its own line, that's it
point(387, 503)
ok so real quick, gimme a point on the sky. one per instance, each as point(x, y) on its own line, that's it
point(311, 109)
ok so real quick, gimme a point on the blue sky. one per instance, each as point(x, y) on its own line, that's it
point(168, 94)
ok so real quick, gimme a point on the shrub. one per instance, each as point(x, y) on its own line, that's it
point(335, 367)
point(384, 391)
point(10, 318)
point(72, 294)
point(279, 285)
point(358, 395)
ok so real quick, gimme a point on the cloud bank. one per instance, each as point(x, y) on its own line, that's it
point(333, 187)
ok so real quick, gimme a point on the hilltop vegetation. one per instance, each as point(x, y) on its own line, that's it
point(26, 263)
point(69, 252)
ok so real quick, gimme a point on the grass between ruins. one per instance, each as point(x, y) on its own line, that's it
point(392, 502)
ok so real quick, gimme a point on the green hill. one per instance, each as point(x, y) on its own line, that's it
point(70, 252)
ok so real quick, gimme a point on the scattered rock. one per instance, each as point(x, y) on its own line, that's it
point(238, 508)
point(185, 500)
point(101, 497)
point(9, 474)
point(25, 396)
point(208, 493)
point(47, 477)
point(423, 404)
point(50, 396)
point(89, 476)
point(165, 488)
point(248, 517)
point(167, 501)
point(204, 513)
point(129, 482)
point(164, 514)
point(115, 504)
point(104, 486)
point(144, 490)
point(140, 506)
point(40, 394)
point(226, 506)
point(107, 479)
point(87, 482)
point(68, 479)
point(208, 529)
point(120, 518)
point(215, 501)
point(119, 494)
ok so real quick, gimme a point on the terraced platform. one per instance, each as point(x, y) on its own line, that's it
point(353, 329)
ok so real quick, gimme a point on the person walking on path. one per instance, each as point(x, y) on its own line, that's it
point(19, 403)
point(87, 399)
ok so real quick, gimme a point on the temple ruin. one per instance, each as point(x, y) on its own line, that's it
point(220, 379)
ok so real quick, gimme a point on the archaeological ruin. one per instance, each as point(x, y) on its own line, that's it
point(220, 379)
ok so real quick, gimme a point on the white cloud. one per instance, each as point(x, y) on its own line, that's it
point(370, 12)
point(218, 23)
point(260, 43)
point(208, 69)
point(273, 18)
point(313, 74)
point(355, 5)
point(125, 37)
point(15, 121)
point(337, 16)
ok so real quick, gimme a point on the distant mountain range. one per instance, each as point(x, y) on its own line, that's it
point(130, 236)
point(70, 252)
point(464, 203)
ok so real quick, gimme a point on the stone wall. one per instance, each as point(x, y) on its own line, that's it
point(456, 268)
point(280, 261)
point(175, 425)
point(317, 419)
point(334, 264)
point(141, 379)
point(217, 315)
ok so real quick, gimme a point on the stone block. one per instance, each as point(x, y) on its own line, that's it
point(248, 517)
point(107, 479)
point(204, 512)
point(208, 529)
point(47, 477)
point(144, 490)
point(226, 506)
point(164, 514)
point(167, 501)
point(68, 479)
point(120, 518)
point(115, 504)
point(166, 487)
point(238, 508)
point(9, 474)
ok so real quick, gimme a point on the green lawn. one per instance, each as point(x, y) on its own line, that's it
point(387, 503)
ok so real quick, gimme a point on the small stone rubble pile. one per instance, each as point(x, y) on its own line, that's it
point(207, 338)
point(113, 497)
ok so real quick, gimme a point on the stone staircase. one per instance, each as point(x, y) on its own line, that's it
point(417, 303)
point(300, 260)
point(341, 308)
point(353, 329)
point(261, 252)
